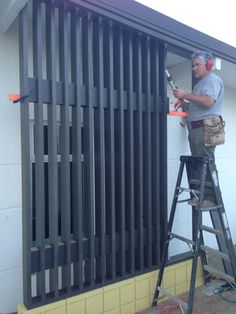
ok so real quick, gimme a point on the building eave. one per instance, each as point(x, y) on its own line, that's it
point(138, 16)
point(159, 25)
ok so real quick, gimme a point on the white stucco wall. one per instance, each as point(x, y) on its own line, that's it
point(10, 176)
point(225, 160)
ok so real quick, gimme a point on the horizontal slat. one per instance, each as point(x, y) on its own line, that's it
point(35, 251)
point(46, 95)
point(219, 273)
point(173, 297)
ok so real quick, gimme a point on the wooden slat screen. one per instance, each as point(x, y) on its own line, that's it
point(91, 147)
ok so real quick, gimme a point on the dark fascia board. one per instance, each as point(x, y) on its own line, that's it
point(156, 24)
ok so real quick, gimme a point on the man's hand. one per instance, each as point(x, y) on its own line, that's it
point(178, 104)
point(179, 93)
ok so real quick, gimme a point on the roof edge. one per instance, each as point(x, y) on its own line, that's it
point(164, 27)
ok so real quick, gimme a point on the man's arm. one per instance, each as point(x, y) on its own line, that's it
point(206, 101)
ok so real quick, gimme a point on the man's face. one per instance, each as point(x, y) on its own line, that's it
point(199, 68)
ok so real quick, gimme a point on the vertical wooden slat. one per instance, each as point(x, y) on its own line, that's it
point(130, 155)
point(111, 258)
point(52, 146)
point(156, 152)
point(162, 48)
point(121, 157)
point(100, 156)
point(65, 140)
point(39, 147)
point(76, 60)
point(89, 150)
point(147, 148)
point(139, 154)
point(25, 156)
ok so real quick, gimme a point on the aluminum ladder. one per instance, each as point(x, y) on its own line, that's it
point(202, 177)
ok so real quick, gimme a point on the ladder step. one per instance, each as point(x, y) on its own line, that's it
point(212, 230)
point(179, 237)
point(215, 252)
point(182, 189)
point(198, 182)
point(173, 297)
point(206, 209)
point(219, 273)
point(183, 201)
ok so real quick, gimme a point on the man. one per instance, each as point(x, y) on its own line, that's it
point(205, 106)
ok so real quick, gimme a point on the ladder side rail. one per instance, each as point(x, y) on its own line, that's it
point(175, 198)
point(219, 222)
point(202, 253)
point(167, 236)
point(161, 271)
point(197, 238)
point(222, 242)
point(190, 175)
point(189, 167)
point(203, 258)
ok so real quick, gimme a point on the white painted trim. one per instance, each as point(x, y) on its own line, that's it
point(9, 10)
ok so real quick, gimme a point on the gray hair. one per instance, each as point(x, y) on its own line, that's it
point(203, 55)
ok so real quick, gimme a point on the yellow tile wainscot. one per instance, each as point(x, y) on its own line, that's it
point(125, 297)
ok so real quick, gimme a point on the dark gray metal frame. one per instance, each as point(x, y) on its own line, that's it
point(94, 169)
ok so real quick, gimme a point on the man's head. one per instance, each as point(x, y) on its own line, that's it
point(202, 63)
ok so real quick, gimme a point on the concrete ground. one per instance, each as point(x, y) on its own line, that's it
point(206, 301)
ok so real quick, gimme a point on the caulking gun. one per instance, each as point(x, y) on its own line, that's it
point(170, 80)
point(174, 86)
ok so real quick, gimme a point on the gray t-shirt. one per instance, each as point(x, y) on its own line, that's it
point(210, 85)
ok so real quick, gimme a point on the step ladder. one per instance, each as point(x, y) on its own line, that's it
point(202, 178)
